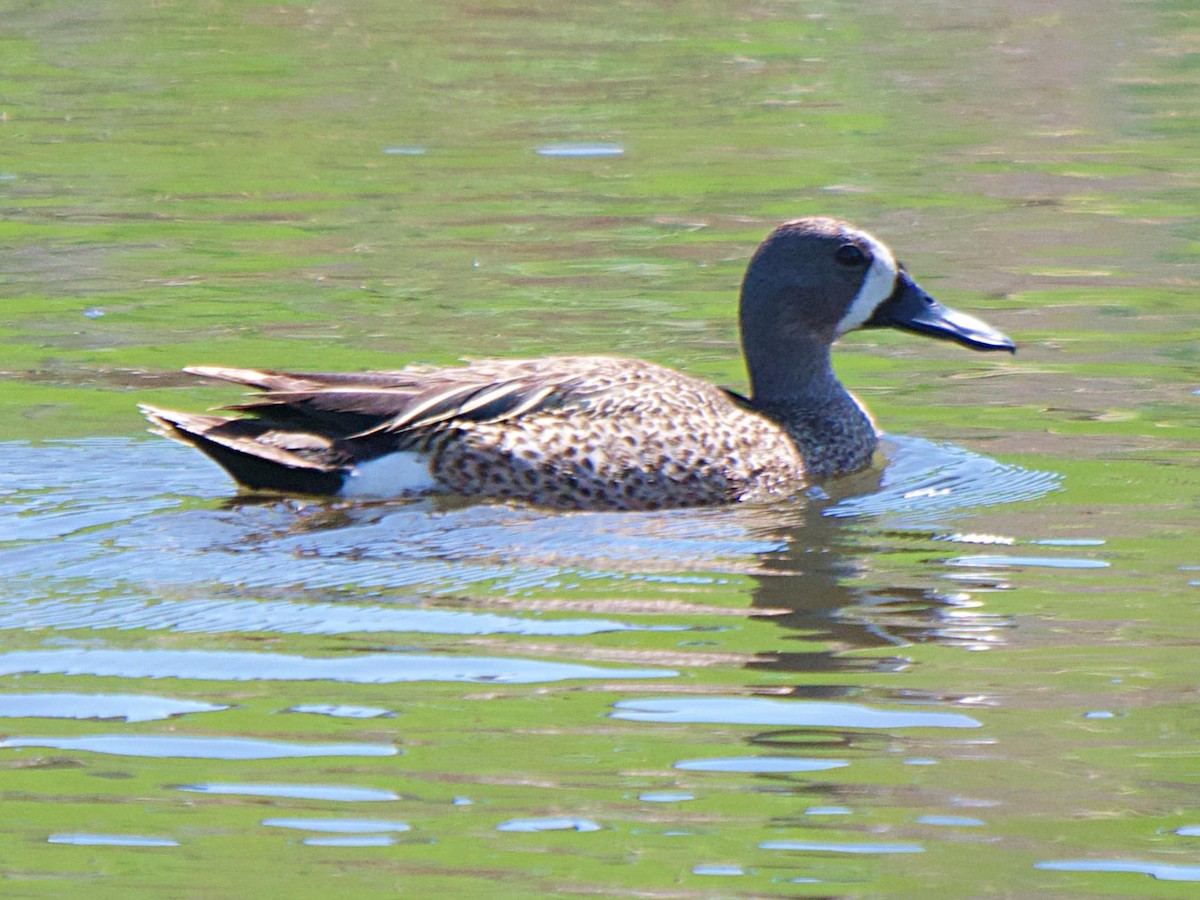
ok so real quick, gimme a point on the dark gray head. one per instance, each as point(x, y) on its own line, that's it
point(811, 281)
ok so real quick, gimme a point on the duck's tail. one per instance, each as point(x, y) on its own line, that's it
point(257, 455)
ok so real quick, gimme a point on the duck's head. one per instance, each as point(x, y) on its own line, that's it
point(813, 280)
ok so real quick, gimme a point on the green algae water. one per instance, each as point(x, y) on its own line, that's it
point(967, 672)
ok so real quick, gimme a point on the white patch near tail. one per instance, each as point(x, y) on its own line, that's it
point(876, 287)
point(394, 475)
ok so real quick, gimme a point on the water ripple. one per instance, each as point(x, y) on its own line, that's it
point(759, 711)
point(331, 792)
point(129, 707)
point(180, 747)
point(129, 535)
point(289, 617)
point(926, 481)
point(111, 840)
point(557, 823)
point(829, 847)
point(376, 668)
point(1160, 871)
point(761, 765)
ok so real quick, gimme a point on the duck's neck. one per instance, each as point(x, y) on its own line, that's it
point(799, 391)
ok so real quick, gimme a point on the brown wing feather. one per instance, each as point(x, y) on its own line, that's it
point(287, 448)
point(268, 380)
point(350, 405)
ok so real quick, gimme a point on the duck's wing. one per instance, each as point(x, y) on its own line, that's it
point(348, 406)
point(306, 432)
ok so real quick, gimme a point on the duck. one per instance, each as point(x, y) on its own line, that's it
point(596, 432)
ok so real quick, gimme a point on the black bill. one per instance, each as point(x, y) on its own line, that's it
point(911, 309)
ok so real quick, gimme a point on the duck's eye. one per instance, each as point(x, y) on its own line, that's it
point(851, 256)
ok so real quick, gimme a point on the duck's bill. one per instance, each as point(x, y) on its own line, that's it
point(911, 309)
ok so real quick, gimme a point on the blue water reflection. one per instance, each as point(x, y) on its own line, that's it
point(331, 792)
point(833, 847)
point(761, 711)
point(179, 747)
point(129, 707)
point(80, 839)
point(375, 668)
point(553, 823)
point(1157, 870)
point(760, 765)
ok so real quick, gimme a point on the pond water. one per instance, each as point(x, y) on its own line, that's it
point(970, 671)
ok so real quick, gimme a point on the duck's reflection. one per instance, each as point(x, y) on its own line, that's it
point(847, 588)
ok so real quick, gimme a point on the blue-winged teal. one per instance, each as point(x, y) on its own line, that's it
point(596, 432)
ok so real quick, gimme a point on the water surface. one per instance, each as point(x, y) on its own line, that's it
point(967, 672)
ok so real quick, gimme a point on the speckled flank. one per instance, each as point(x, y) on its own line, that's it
point(623, 435)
